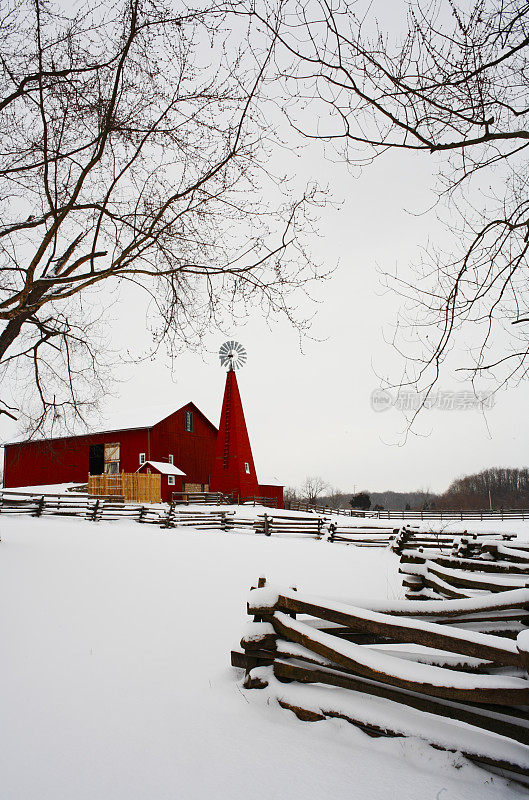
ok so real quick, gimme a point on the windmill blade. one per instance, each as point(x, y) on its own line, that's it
point(233, 354)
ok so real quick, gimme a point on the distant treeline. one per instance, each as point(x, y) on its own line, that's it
point(509, 488)
point(499, 487)
point(390, 501)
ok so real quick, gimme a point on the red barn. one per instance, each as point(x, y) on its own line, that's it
point(186, 438)
point(184, 447)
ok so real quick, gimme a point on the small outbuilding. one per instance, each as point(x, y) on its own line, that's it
point(172, 478)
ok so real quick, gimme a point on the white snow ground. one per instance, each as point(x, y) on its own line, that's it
point(116, 684)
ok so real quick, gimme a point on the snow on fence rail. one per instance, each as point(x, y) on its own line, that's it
point(402, 668)
point(410, 538)
point(474, 564)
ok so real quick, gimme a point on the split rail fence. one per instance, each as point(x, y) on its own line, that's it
point(473, 566)
point(400, 668)
point(448, 515)
point(114, 507)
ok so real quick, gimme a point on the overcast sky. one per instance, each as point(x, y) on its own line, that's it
point(309, 411)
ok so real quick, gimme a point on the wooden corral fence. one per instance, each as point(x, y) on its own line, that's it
point(135, 487)
point(399, 668)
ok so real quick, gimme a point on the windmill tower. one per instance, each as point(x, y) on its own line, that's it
point(233, 468)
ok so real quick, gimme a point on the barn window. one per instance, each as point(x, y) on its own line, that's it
point(170, 480)
point(188, 421)
point(171, 459)
point(246, 467)
point(112, 458)
point(142, 458)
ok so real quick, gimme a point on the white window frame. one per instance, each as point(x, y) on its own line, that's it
point(171, 459)
point(170, 480)
point(142, 458)
point(247, 467)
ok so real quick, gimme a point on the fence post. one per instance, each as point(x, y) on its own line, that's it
point(266, 526)
point(332, 531)
point(94, 512)
point(40, 507)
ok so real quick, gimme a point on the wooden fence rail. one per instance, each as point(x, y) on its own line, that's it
point(419, 655)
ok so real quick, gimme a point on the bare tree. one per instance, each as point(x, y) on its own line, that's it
point(132, 150)
point(290, 495)
point(335, 499)
point(454, 88)
point(312, 488)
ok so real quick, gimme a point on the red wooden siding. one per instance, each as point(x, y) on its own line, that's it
point(65, 460)
point(192, 450)
point(273, 492)
point(233, 448)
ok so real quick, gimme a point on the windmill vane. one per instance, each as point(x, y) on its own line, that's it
point(233, 355)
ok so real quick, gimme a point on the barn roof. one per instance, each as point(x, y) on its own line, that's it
point(126, 420)
point(163, 467)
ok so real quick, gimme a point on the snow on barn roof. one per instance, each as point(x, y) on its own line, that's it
point(270, 480)
point(163, 467)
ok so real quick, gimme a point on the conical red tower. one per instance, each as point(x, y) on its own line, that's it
point(233, 468)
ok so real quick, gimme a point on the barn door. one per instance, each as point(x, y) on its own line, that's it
point(96, 459)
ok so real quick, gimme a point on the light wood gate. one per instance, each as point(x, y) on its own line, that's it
point(134, 487)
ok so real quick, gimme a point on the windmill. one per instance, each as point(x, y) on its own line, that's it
point(233, 355)
point(233, 469)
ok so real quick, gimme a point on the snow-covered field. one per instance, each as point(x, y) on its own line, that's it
point(116, 682)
